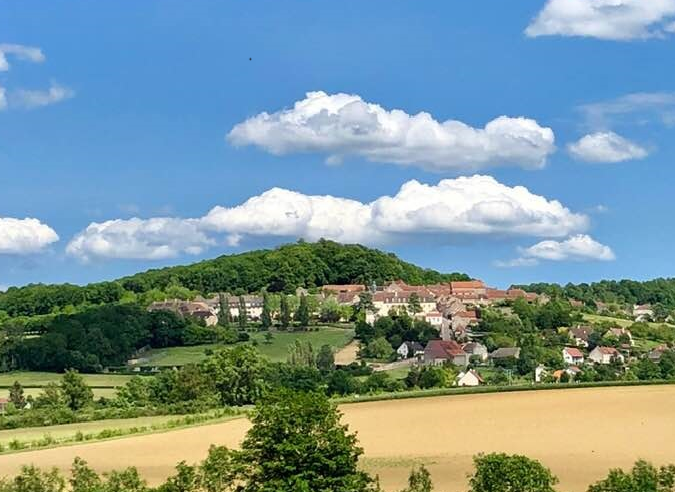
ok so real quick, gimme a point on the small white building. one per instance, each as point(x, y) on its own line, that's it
point(410, 349)
point(434, 318)
point(469, 378)
point(643, 312)
point(605, 355)
point(540, 373)
point(572, 356)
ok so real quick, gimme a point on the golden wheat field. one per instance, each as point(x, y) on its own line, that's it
point(578, 433)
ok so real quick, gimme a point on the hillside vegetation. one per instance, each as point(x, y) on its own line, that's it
point(659, 291)
point(278, 270)
point(287, 267)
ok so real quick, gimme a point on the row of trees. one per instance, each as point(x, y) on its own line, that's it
point(659, 291)
point(297, 443)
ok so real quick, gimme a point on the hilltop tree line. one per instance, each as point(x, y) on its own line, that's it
point(297, 443)
point(658, 291)
point(283, 269)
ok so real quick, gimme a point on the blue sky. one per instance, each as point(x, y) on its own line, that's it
point(123, 112)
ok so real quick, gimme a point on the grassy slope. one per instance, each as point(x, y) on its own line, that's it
point(39, 379)
point(596, 318)
point(61, 431)
point(276, 351)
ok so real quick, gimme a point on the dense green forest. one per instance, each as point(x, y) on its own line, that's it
point(287, 267)
point(658, 291)
point(91, 340)
point(278, 270)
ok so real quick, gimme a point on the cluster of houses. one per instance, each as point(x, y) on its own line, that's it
point(208, 310)
point(575, 355)
point(452, 307)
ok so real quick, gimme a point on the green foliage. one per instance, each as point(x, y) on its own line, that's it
point(286, 268)
point(224, 316)
point(414, 306)
point(658, 291)
point(32, 479)
point(504, 473)
point(266, 316)
point(644, 477)
point(242, 315)
point(95, 338)
point(75, 391)
point(39, 299)
point(302, 315)
point(312, 450)
point(395, 329)
point(419, 481)
point(16, 395)
point(284, 312)
point(237, 374)
point(301, 354)
point(325, 359)
point(378, 348)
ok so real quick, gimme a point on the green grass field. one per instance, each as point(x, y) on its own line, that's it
point(625, 323)
point(68, 430)
point(276, 351)
point(39, 379)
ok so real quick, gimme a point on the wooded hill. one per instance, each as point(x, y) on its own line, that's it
point(660, 291)
point(282, 269)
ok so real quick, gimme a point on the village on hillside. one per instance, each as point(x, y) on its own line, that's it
point(455, 325)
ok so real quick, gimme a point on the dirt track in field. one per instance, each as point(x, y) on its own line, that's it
point(579, 434)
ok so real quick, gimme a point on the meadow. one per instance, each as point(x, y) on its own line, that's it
point(578, 433)
point(276, 349)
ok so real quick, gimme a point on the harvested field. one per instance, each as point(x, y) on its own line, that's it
point(578, 433)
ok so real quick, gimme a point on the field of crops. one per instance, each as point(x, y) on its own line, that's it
point(578, 433)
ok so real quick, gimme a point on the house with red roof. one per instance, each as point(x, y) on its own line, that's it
point(573, 356)
point(439, 352)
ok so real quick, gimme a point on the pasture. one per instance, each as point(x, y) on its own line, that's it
point(276, 350)
point(578, 433)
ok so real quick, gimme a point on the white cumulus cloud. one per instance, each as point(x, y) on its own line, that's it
point(580, 247)
point(341, 125)
point(477, 206)
point(3, 98)
point(152, 239)
point(24, 236)
point(21, 52)
point(618, 20)
point(606, 147)
point(30, 99)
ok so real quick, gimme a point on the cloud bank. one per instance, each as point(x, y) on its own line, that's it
point(24, 236)
point(341, 125)
point(21, 52)
point(477, 206)
point(618, 20)
point(151, 239)
point(606, 147)
point(580, 247)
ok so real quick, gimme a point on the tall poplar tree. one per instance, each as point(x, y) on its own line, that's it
point(243, 314)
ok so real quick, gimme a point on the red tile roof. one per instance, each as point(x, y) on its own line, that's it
point(441, 349)
point(573, 352)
